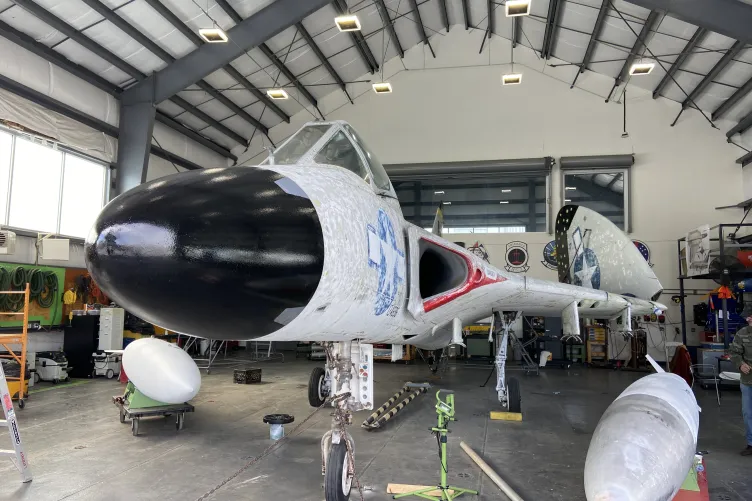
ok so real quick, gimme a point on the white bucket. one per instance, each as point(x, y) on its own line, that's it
point(545, 356)
point(276, 431)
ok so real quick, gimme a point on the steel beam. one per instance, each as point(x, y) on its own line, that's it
point(323, 59)
point(173, 124)
point(730, 102)
point(717, 69)
point(179, 25)
point(23, 40)
point(47, 17)
point(444, 14)
point(88, 43)
point(134, 144)
point(387, 20)
point(638, 46)
point(552, 28)
point(209, 120)
point(731, 18)
point(742, 126)
point(490, 10)
point(668, 77)
point(165, 56)
point(596, 35)
point(745, 160)
point(421, 28)
point(466, 14)
point(72, 113)
point(208, 58)
point(288, 74)
point(358, 40)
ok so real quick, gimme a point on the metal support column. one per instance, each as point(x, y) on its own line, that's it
point(532, 220)
point(417, 209)
point(134, 143)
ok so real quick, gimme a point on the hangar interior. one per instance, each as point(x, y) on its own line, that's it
point(549, 196)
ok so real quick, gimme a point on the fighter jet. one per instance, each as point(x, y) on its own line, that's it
point(311, 245)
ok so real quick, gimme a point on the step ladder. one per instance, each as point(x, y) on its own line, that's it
point(17, 455)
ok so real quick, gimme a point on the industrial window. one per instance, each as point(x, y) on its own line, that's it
point(48, 190)
point(505, 204)
point(602, 191)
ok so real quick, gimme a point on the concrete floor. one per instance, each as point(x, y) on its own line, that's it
point(79, 451)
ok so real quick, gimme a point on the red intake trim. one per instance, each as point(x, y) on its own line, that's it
point(476, 278)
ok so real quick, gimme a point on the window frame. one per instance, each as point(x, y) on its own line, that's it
point(65, 151)
point(624, 171)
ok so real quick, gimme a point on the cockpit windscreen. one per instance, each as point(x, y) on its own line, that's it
point(299, 144)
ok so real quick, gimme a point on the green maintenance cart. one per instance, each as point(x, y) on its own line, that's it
point(134, 405)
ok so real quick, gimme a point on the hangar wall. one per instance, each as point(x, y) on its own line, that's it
point(441, 112)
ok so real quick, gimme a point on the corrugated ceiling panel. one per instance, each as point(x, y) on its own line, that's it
point(169, 108)
point(23, 21)
point(123, 46)
point(73, 12)
point(248, 7)
point(140, 15)
point(194, 17)
point(239, 125)
point(78, 54)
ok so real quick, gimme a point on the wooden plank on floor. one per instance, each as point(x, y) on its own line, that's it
point(506, 416)
point(404, 488)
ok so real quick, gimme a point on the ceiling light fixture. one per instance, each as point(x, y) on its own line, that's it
point(516, 8)
point(277, 94)
point(504, 202)
point(638, 69)
point(447, 203)
point(567, 200)
point(506, 191)
point(512, 79)
point(571, 188)
point(438, 192)
point(213, 35)
point(347, 23)
point(382, 88)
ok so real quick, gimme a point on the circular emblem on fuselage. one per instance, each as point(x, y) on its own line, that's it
point(549, 255)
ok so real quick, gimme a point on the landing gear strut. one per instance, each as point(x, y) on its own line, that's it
point(348, 384)
point(508, 390)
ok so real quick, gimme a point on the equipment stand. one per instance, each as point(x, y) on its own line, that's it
point(445, 412)
point(18, 456)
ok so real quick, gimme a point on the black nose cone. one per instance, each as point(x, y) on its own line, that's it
point(231, 253)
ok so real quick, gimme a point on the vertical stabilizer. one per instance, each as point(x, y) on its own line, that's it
point(592, 252)
point(438, 221)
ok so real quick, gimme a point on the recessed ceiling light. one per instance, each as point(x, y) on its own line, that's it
point(641, 68)
point(447, 203)
point(213, 35)
point(382, 88)
point(567, 200)
point(504, 202)
point(571, 188)
point(518, 8)
point(506, 191)
point(438, 192)
point(347, 23)
point(277, 93)
point(512, 79)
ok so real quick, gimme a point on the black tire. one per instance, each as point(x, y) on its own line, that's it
point(134, 427)
point(122, 416)
point(21, 404)
point(316, 396)
point(335, 469)
point(55, 381)
point(513, 395)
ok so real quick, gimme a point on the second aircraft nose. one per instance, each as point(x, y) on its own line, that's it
point(219, 253)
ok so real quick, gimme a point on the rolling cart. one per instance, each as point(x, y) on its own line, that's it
point(134, 405)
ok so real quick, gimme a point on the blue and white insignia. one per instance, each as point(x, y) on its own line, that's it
point(386, 257)
point(644, 250)
point(586, 269)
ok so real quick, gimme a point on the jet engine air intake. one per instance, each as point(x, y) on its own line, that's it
point(440, 269)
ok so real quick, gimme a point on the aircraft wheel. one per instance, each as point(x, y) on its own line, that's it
point(317, 392)
point(513, 394)
point(338, 482)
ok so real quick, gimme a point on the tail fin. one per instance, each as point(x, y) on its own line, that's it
point(438, 222)
point(592, 252)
